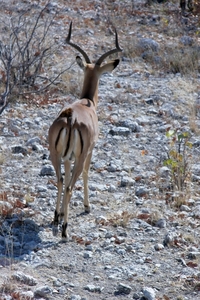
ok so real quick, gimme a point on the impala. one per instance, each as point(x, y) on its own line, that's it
point(73, 134)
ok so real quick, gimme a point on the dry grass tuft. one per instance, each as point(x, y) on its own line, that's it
point(70, 83)
point(2, 159)
point(7, 288)
point(120, 219)
point(184, 61)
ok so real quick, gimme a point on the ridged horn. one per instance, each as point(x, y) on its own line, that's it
point(117, 49)
point(76, 46)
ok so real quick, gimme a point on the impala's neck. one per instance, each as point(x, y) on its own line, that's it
point(90, 87)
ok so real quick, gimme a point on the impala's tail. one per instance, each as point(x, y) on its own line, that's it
point(60, 133)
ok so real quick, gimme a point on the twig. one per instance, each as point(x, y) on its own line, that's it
point(51, 82)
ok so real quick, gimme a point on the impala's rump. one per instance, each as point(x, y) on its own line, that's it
point(74, 130)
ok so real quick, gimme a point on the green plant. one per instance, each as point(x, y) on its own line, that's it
point(179, 155)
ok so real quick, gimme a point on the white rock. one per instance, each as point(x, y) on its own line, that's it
point(149, 293)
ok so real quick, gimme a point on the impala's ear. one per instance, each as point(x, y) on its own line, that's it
point(109, 67)
point(116, 62)
point(80, 62)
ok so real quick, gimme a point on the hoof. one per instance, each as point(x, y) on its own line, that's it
point(55, 230)
point(61, 216)
point(56, 218)
point(87, 209)
point(64, 232)
point(65, 239)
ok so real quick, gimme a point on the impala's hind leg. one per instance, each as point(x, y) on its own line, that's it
point(67, 165)
point(77, 169)
point(85, 182)
point(57, 165)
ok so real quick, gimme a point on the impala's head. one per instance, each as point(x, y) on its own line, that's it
point(93, 71)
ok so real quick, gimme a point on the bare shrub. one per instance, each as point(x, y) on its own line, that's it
point(27, 48)
point(183, 61)
point(120, 219)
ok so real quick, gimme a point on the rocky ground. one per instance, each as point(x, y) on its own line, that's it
point(141, 239)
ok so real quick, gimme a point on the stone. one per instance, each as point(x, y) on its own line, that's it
point(75, 297)
point(185, 208)
point(147, 43)
point(149, 293)
point(186, 40)
point(123, 289)
point(161, 223)
point(19, 149)
point(37, 147)
point(133, 126)
point(23, 278)
point(33, 141)
point(122, 131)
point(141, 192)
point(87, 255)
point(42, 291)
point(93, 288)
point(47, 171)
point(158, 247)
point(127, 181)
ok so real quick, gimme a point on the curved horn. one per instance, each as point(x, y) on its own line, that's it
point(76, 46)
point(117, 49)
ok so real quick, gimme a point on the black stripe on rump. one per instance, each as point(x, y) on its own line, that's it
point(68, 143)
point(67, 113)
point(81, 139)
point(58, 137)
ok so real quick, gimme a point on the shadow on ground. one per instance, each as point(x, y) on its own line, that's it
point(18, 238)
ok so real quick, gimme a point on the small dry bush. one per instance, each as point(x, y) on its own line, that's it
point(173, 58)
point(183, 61)
point(130, 49)
point(7, 288)
point(70, 83)
point(196, 8)
point(9, 205)
point(29, 52)
point(120, 219)
point(2, 158)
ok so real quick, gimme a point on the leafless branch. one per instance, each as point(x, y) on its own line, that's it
point(23, 50)
point(51, 81)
